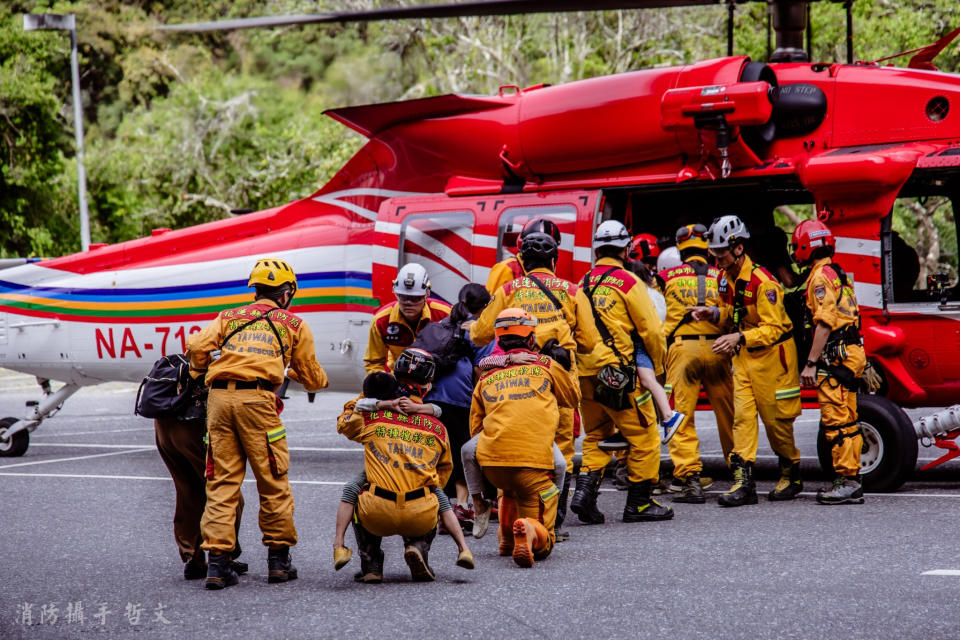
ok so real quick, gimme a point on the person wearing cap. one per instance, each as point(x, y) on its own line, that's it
point(765, 375)
point(396, 324)
point(691, 361)
point(257, 343)
point(406, 463)
point(514, 413)
point(564, 322)
point(836, 361)
point(611, 397)
point(511, 268)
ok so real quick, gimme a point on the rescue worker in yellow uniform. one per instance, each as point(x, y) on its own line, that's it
point(514, 411)
point(563, 315)
point(765, 375)
point(611, 397)
point(836, 360)
point(691, 361)
point(406, 459)
point(257, 342)
point(511, 268)
point(396, 324)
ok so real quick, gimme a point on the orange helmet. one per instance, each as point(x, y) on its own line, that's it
point(808, 236)
point(514, 322)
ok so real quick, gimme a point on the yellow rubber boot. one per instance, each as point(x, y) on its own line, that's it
point(530, 537)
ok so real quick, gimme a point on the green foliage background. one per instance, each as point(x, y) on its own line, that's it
point(180, 128)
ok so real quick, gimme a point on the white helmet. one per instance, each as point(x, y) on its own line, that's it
point(724, 232)
point(412, 280)
point(611, 233)
point(669, 258)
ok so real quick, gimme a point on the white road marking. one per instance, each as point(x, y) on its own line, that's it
point(942, 572)
point(85, 433)
point(354, 449)
point(96, 455)
point(337, 483)
point(131, 446)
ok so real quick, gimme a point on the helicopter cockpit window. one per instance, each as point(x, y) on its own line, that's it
point(513, 219)
point(921, 242)
point(443, 244)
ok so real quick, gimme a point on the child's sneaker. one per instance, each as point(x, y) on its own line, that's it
point(465, 517)
point(670, 426)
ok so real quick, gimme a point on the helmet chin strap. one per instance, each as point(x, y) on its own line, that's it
point(412, 389)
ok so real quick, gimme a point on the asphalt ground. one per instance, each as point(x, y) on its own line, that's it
point(87, 518)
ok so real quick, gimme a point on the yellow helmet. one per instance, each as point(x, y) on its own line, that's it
point(692, 236)
point(272, 272)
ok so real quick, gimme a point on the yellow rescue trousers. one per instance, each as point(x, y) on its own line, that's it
point(243, 425)
point(637, 423)
point(565, 439)
point(766, 382)
point(397, 517)
point(838, 415)
point(536, 497)
point(691, 362)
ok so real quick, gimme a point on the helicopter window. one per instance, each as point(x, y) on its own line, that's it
point(443, 243)
point(513, 219)
point(920, 241)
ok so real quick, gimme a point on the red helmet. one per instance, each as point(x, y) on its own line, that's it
point(644, 246)
point(808, 236)
point(540, 225)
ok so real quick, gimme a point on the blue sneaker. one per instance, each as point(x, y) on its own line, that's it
point(670, 426)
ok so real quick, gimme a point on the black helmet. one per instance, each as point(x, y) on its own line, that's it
point(415, 365)
point(541, 225)
point(538, 246)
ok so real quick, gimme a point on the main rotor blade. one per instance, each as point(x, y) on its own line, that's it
point(452, 10)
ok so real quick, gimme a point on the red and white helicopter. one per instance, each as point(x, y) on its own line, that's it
point(448, 181)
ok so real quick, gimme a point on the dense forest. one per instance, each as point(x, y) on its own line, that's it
point(181, 129)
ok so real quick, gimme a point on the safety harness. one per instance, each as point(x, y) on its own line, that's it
point(835, 349)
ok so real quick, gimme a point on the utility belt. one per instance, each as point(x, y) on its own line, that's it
point(386, 494)
point(259, 383)
point(842, 374)
point(783, 338)
point(694, 336)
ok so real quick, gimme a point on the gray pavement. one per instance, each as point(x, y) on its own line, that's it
point(86, 518)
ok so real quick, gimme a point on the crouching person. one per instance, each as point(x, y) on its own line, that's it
point(406, 458)
point(515, 411)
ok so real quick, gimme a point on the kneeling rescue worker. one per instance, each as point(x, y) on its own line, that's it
point(406, 458)
point(256, 342)
point(765, 375)
point(623, 312)
point(836, 360)
point(515, 410)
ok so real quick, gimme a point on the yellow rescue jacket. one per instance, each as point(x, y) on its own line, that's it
point(829, 301)
point(253, 353)
point(572, 325)
point(390, 333)
point(401, 453)
point(503, 272)
point(761, 318)
point(682, 290)
point(516, 412)
point(627, 311)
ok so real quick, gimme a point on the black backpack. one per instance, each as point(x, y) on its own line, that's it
point(445, 342)
point(169, 391)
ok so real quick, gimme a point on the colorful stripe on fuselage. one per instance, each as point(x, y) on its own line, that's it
point(330, 291)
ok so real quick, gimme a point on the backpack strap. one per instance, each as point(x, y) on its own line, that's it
point(605, 334)
point(265, 316)
point(546, 291)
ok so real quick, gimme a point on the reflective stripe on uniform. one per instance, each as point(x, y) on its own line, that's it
point(645, 397)
point(668, 388)
point(549, 493)
point(206, 437)
point(276, 434)
point(783, 394)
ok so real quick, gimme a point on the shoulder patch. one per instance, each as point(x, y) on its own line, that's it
point(772, 296)
point(819, 291)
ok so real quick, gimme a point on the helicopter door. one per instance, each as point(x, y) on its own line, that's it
point(434, 231)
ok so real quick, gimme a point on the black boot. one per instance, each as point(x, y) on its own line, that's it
point(691, 491)
point(743, 491)
point(416, 554)
point(641, 507)
point(240, 567)
point(789, 485)
point(280, 565)
point(584, 502)
point(371, 556)
point(562, 510)
point(220, 573)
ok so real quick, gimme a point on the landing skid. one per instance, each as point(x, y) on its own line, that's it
point(15, 432)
